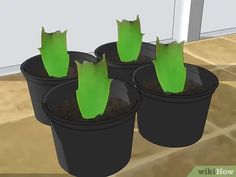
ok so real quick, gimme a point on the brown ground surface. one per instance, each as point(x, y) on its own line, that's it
point(26, 146)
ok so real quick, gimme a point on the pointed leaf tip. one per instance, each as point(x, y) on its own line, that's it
point(129, 40)
point(118, 22)
point(43, 30)
point(77, 63)
point(157, 40)
point(54, 53)
point(169, 66)
point(93, 89)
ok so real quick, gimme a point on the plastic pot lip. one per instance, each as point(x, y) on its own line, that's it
point(93, 124)
point(122, 64)
point(49, 80)
point(177, 98)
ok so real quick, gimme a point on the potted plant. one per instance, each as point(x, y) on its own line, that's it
point(54, 66)
point(92, 121)
point(175, 97)
point(128, 53)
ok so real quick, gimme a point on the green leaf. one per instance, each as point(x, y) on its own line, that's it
point(169, 66)
point(54, 53)
point(93, 88)
point(129, 40)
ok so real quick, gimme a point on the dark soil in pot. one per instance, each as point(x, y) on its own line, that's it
point(120, 70)
point(99, 147)
point(39, 82)
point(191, 87)
point(174, 120)
point(69, 109)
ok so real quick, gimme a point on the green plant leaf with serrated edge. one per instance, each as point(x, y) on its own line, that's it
point(54, 53)
point(129, 40)
point(169, 66)
point(93, 88)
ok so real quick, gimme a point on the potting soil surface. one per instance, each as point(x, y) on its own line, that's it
point(72, 73)
point(190, 88)
point(69, 110)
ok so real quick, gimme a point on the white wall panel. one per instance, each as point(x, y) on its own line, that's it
point(89, 23)
point(218, 15)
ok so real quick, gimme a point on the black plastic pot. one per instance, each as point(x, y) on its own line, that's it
point(174, 120)
point(39, 82)
point(93, 147)
point(120, 70)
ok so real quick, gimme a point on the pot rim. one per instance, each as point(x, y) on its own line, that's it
point(34, 78)
point(201, 94)
point(93, 123)
point(113, 63)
